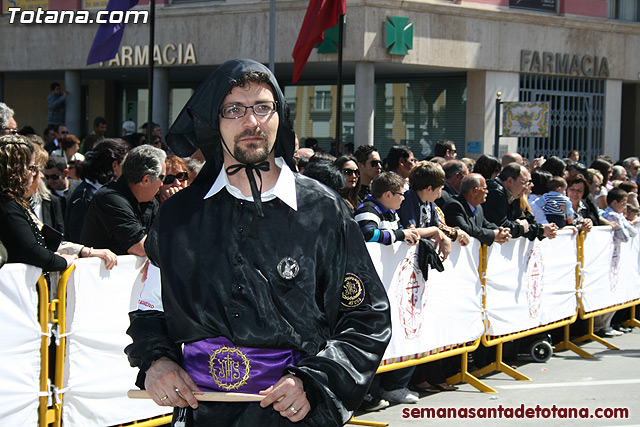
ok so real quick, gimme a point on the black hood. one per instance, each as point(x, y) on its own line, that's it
point(197, 125)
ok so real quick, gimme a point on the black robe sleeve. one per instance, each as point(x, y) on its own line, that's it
point(338, 377)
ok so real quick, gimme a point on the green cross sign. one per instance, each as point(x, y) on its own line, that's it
point(399, 35)
point(330, 42)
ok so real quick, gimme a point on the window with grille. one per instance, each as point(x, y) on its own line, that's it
point(420, 112)
point(576, 115)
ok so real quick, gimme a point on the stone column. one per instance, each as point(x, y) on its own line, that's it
point(365, 103)
point(161, 98)
point(482, 87)
point(72, 113)
point(612, 113)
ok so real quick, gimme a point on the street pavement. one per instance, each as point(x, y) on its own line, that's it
point(568, 381)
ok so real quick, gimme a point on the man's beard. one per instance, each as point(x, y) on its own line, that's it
point(254, 153)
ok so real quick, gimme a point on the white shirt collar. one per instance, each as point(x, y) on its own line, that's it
point(95, 185)
point(285, 188)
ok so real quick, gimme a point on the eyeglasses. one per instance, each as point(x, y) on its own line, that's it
point(10, 131)
point(239, 111)
point(398, 193)
point(64, 132)
point(53, 177)
point(34, 169)
point(376, 163)
point(351, 172)
point(170, 179)
point(161, 177)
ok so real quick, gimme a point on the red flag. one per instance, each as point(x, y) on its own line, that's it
point(321, 15)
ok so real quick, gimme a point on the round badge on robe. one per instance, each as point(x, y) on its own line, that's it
point(288, 268)
point(352, 291)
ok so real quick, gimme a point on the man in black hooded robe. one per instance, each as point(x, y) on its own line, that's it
point(259, 281)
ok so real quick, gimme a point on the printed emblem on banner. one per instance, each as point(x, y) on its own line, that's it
point(352, 291)
point(534, 276)
point(614, 267)
point(288, 268)
point(229, 368)
point(411, 295)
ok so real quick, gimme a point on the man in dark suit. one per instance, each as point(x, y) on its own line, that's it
point(56, 175)
point(503, 204)
point(454, 172)
point(465, 211)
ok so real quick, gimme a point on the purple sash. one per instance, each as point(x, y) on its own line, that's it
point(215, 364)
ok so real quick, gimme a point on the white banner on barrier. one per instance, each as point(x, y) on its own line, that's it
point(530, 284)
point(98, 374)
point(20, 351)
point(446, 310)
point(610, 270)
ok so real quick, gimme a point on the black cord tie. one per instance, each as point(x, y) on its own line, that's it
point(249, 169)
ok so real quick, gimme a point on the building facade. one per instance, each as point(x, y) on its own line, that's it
point(414, 72)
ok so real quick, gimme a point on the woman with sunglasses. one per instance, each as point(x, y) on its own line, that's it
point(21, 231)
point(348, 165)
point(177, 178)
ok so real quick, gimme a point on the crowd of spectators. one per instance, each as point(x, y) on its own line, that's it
point(104, 193)
point(63, 199)
point(445, 199)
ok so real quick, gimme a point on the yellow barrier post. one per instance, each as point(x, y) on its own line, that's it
point(58, 311)
point(489, 341)
point(632, 322)
point(355, 422)
point(498, 365)
point(46, 415)
point(151, 422)
point(462, 350)
point(465, 376)
point(566, 343)
point(590, 335)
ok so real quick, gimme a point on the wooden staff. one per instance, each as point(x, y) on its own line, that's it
point(206, 396)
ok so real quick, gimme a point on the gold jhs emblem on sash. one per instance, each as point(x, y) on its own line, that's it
point(229, 368)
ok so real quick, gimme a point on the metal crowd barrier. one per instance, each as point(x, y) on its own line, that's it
point(566, 343)
point(464, 376)
point(498, 340)
point(54, 313)
point(591, 315)
point(46, 415)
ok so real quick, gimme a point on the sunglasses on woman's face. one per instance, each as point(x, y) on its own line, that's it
point(169, 179)
point(351, 172)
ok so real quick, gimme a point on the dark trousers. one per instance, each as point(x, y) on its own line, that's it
point(394, 380)
point(559, 220)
